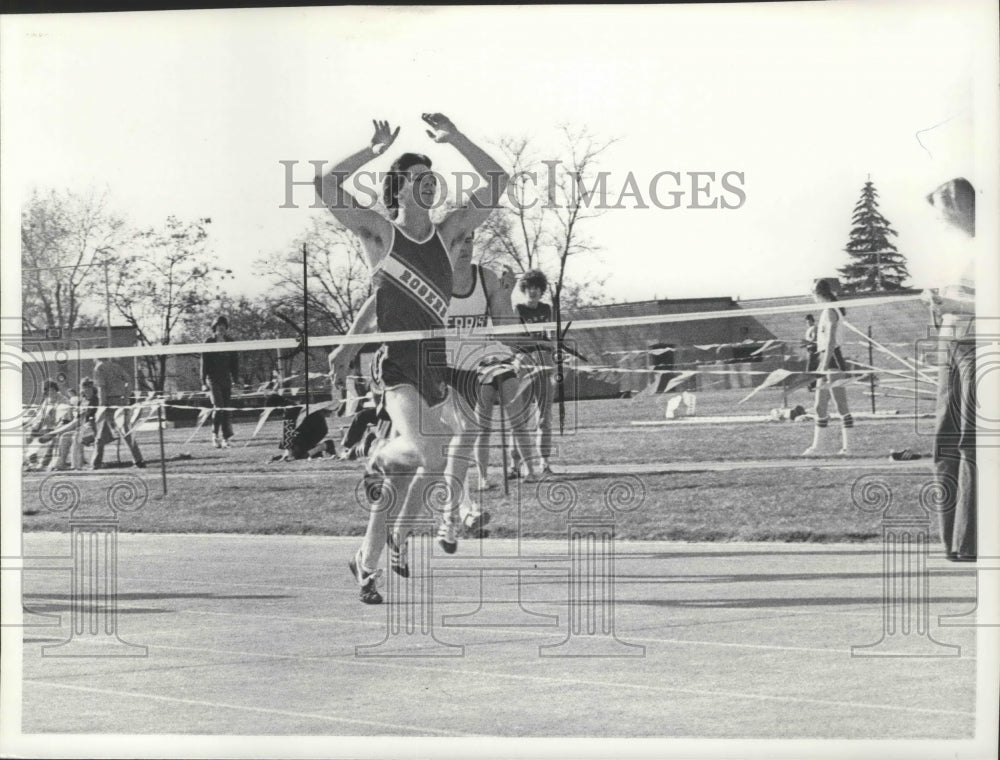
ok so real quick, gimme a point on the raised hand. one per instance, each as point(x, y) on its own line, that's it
point(507, 279)
point(442, 130)
point(384, 137)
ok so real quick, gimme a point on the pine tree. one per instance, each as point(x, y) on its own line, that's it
point(876, 265)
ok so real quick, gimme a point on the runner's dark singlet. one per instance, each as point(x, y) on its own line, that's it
point(412, 291)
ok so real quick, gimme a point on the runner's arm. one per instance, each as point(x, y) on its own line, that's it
point(370, 226)
point(481, 204)
point(342, 356)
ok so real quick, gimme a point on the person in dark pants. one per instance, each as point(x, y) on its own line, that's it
point(219, 370)
point(953, 312)
point(809, 344)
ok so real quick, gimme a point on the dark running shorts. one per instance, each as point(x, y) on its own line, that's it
point(468, 382)
point(837, 361)
point(420, 363)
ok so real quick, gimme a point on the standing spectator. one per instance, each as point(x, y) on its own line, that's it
point(832, 364)
point(809, 344)
point(538, 386)
point(114, 417)
point(219, 370)
point(953, 312)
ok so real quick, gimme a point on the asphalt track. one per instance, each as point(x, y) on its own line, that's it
point(264, 635)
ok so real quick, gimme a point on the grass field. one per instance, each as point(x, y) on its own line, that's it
point(236, 491)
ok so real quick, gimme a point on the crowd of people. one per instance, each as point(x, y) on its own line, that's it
point(96, 414)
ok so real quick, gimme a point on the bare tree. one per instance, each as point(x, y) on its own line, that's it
point(65, 239)
point(573, 207)
point(551, 199)
point(574, 202)
point(519, 233)
point(338, 277)
point(165, 278)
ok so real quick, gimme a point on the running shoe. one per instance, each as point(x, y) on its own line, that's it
point(396, 559)
point(906, 455)
point(474, 524)
point(447, 538)
point(216, 442)
point(366, 579)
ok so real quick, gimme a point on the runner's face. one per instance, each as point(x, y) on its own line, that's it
point(465, 251)
point(534, 295)
point(422, 186)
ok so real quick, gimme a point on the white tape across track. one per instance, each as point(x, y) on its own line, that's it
point(518, 329)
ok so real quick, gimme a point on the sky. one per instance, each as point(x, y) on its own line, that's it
point(190, 112)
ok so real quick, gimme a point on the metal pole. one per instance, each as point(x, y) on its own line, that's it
point(871, 363)
point(305, 320)
point(163, 457)
point(107, 298)
point(503, 437)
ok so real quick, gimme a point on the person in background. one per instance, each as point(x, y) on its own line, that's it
point(47, 417)
point(219, 372)
point(831, 362)
point(80, 431)
point(953, 312)
point(483, 371)
point(537, 384)
point(809, 344)
point(114, 416)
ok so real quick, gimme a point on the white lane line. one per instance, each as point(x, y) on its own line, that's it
point(484, 676)
point(558, 633)
point(250, 708)
point(674, 690)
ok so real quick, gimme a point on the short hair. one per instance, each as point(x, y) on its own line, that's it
point(50, 385)
point(957, 201)
point(396, 178)
point(810, 318)
point(219, 320)
point(86, 381)
point(534, 278)
point(823, 287)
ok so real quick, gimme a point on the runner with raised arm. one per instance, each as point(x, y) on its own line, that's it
point(412, 280)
